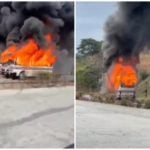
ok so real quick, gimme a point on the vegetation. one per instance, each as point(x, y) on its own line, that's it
point(50, 77)
point(147, 104)
point(89, 73)
point(88, 65)
point(143, 75)
point(87, 78)
point(44, 75)
point(89, 47)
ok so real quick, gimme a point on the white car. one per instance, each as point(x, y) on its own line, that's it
point(20, 72)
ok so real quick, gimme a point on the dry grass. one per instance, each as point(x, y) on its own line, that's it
point(43, 80)
point(145, 62)
point(111, 99)
point(147, 104)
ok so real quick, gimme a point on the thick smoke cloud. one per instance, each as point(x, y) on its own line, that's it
point(22, 20)
point(13, 37)
point(35, 28)
point(127, 31)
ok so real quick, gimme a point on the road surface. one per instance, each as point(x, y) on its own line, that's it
point(37, 118)
point(112, 126)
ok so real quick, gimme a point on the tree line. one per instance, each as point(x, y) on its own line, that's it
point(88, 65)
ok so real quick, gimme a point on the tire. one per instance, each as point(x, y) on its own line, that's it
point(7, 75)
point(22, 76)
point(13, 76)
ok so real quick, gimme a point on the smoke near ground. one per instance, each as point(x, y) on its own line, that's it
point(20, 21)
point(127, 31)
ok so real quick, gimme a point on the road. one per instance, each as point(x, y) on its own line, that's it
point(112, 126)
point(37, 118)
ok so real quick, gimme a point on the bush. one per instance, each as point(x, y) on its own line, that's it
point(87, 78)
point(78, 95)
point(97, 97)
point(147, 104)
point(55, 78)
point(44, 75)
point(48, 76)
point(144, 75)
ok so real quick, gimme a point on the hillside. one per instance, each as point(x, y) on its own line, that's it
point(145, 62)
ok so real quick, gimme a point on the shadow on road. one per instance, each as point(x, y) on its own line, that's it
point(69, 146)
point(34, 116)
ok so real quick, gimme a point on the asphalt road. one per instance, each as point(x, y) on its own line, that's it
point(37, 118)
point(111, 126)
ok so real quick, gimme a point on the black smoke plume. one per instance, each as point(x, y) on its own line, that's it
point(127, 31)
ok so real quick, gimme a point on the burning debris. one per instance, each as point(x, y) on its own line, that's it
point(36, 33)
point(127, 34)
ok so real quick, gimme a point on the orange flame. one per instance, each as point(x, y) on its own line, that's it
point(120, 74)
point(8, 54)
point(30, 54)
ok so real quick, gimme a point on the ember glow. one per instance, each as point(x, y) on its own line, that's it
point(29, 54)
point(122, 74)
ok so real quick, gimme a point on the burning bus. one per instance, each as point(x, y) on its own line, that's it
point(127, 34)
point(33, 37)
point(28, 60)
point(121, 77)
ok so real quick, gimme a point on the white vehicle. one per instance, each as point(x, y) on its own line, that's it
point(4, 70)
point(126, 92)
point(16, 71)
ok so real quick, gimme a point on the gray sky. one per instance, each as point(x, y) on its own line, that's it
point(91, 17)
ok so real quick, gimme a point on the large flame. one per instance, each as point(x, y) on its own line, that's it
point(122, 74)
point(30, 54)
point(8, 54)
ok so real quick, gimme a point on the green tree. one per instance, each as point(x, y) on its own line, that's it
point(89, 47)
point(87, 78)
